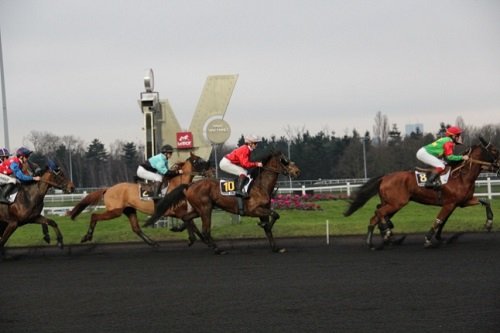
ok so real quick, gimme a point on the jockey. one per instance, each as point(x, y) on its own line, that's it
point(11, 171)
point(238, 161)
point(156, 167)
point(434, 153)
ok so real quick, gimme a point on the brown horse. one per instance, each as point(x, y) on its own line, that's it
point(205, 195)
point(398, 188)
point(123, 198)
point(28, 205)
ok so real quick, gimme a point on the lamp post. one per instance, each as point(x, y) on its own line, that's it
point(4, 97)
point(364, 156)
point(70, 166)
point(289, 177)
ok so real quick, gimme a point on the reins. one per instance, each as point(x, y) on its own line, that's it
point(489, 164)
point(54, 184)
point(274, 170)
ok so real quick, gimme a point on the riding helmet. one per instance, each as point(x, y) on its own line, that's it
point(4, 152)
point(167, 149)
point(23, 151)
point(453, 130)
point(252, 139)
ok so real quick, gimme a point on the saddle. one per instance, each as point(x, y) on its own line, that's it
point(422, 174)
point(147, 190)
point(11, 197)
point(227, 187)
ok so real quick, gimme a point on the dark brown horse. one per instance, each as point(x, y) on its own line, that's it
point(205, 195)
point(398, 188)
point(124, 198)
point(28, 205)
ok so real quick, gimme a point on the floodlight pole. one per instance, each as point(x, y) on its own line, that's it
point(4, 99)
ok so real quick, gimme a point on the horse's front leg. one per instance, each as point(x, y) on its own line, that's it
point(437, 227)
point(45, 232)
point(488, 225)
point(44, 222)
point(267, 222)
point(134, 223)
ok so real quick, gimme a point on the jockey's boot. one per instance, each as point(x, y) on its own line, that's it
point(431, 181)
point(240, 192)
point(156, 190)
point(4, 192)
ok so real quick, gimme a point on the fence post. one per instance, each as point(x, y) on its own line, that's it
point(348, 187)
point(303, 190)
point(488, 182)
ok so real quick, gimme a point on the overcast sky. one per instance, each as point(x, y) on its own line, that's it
point(77, 67)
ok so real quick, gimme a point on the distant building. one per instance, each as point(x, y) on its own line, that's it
point(414, 128)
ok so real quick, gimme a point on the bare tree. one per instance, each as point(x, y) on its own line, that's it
point(43, 142)
point(381, 129)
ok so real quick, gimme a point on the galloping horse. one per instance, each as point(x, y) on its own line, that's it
point(398, 188)
point(28, 205)
point(205, 194)
point(123, 198)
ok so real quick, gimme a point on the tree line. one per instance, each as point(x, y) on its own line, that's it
point(322, 155)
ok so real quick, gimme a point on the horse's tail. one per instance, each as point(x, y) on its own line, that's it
point(368, 190)
point(173, 197)
point(92, 198)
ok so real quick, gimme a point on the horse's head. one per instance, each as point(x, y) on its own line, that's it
point(281, 164)
point(198, 164)
point(491, 154)
point(55, 177)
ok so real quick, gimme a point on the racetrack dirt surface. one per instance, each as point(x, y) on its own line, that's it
point(313, 287)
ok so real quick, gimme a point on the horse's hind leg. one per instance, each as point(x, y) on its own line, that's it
point(95, 217)
point(9, 230)
point(134, 223)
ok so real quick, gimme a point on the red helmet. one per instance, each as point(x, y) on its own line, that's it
point(453, 130)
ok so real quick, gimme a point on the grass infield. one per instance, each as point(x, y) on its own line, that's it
point(414, 218)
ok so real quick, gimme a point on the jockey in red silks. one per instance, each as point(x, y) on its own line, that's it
point(439, 152)
point(238, 161)
point(12, 169)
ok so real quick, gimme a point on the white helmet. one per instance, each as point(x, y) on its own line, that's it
point(252, 139)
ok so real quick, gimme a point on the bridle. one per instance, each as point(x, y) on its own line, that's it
point(59, 185)
point(282, 167)
point(493, 166)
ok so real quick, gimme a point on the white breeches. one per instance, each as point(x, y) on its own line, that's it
point(429, 159)
point(148, 175)
point(4, 179)
point(227, 166)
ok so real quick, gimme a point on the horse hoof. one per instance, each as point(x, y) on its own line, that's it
point(46, 239)
point(377, 248)
point(219, 252)
point(282, 250)
point(60, 245)
point(428, 244)
point(262, 224)
point(398, 241)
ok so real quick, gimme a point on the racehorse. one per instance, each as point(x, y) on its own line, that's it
point(203, 196)
point(398, 188)
point(28, 205)
point(124, 198)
